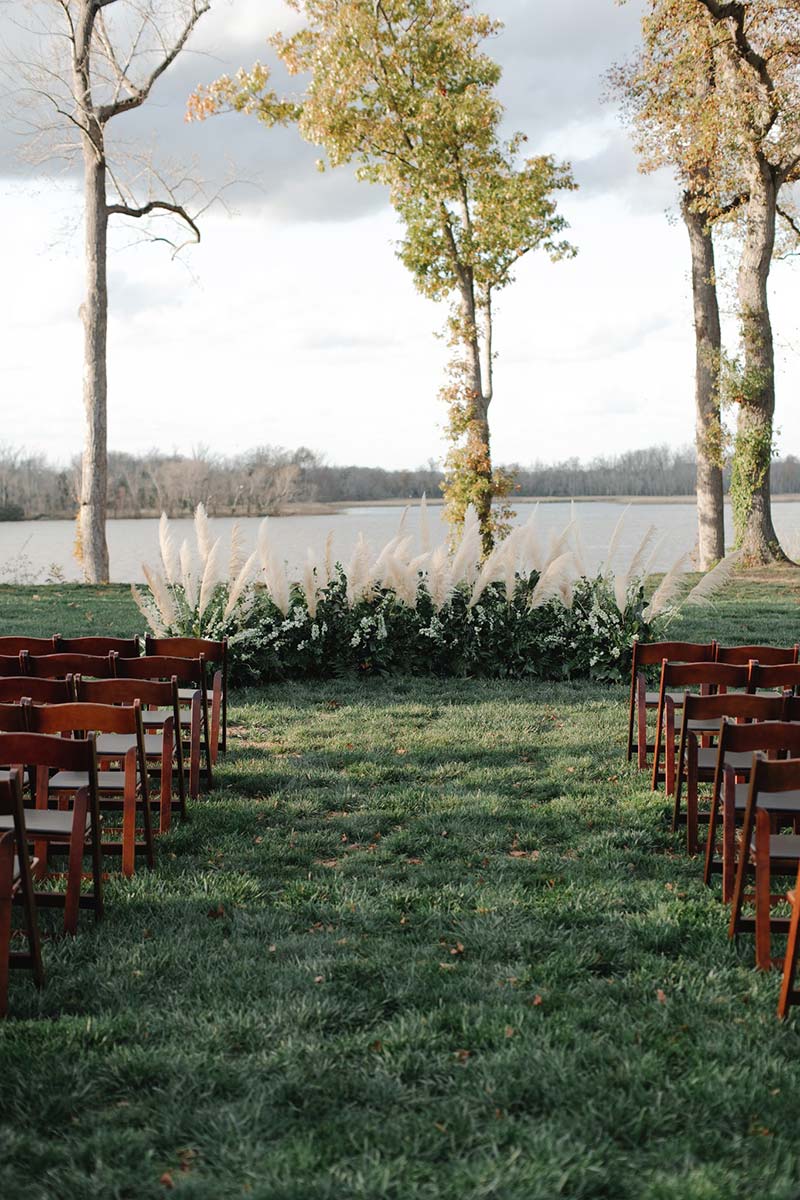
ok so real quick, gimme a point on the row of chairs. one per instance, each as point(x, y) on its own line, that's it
point(17, 652)
point(740, 733)
point(81, 732)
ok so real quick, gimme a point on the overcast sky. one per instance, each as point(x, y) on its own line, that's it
point(294, 323)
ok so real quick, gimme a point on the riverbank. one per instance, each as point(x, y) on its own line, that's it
point(314, 508)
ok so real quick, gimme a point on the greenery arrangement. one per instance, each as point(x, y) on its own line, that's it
point(525, 611)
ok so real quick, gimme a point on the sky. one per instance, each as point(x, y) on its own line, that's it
point(293, 322)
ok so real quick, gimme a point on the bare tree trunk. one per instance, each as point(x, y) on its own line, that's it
point(750, 484)
point(708, 430)
point(94, 312)
point(479, 454)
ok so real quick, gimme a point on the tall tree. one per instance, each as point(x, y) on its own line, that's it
point(760, 116)
point(668, 91)
point(103, 59)
point(403, 89)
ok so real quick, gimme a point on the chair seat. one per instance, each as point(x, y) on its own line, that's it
point(710, 726)
point(783, 846)
point(116, 745)
point(44, 822)
point(188, 693)
point(157, 716)
point(70, 781)
point(651, 699)
point(773, 801)
point(740, 760)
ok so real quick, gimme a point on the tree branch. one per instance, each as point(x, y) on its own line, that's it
point(126, 210)
point(139, 94)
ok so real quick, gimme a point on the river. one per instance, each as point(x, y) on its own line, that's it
point(33, 551)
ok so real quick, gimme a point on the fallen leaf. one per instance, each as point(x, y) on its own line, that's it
point(377, 1046)
point(319, 979)
point(536, 1002)
point(463, 1055)
point(273, 948)
point(167, 1181)
point(219, 911)
point(661, 996)
point(510, 1031)
point(414, 862)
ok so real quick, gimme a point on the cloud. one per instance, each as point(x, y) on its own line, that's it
point(553, 58)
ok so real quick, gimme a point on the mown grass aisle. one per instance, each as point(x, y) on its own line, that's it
point(424, 940)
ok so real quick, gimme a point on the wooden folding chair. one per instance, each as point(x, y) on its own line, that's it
point(769, 656)
point(118, 737)
point(781, 677)
point(99, 646)
point(14, 688)
point(58, 666)
point(704, 717)
point(710, 678)
point(16, 884)
point(56, 829)
point(215, 655)
point(11, 645)
point(734, 757)
point(163, 744)
point(652, 654)
point(773, 801)
point(194, 723)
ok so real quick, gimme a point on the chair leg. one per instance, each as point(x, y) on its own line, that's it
point(728, 839)
point(669, 749)
point(77, 846)
point(691, 796)
point(790, 961)
point(762, 890)
point(165, 791)
point(6, 888)
point(194, 750)
point(641, 719)
point(216, 714)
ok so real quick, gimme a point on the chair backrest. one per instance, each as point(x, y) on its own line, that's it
point(768, 735)
point(124, 647)
point(766, 655)
point(9, 644)
point(76, 716)
point(675, 676)
point(13, 718)
point(14, 688)
point(648, 654)
point(57, 666)
point(782, 675)
point(773, 775)
point(791, 708)
point(13, 664)
point(187, 647)
point(740, 706)
point(42, 750)
point(161, 666)
point(157, 692)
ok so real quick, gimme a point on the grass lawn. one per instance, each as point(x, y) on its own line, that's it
point(424, 940)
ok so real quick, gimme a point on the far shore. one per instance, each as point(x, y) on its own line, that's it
point(314, 508)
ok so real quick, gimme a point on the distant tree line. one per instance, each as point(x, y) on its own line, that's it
point(268, 480)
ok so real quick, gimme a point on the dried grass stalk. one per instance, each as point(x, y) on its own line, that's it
point(202, 533)
point(169, 551)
